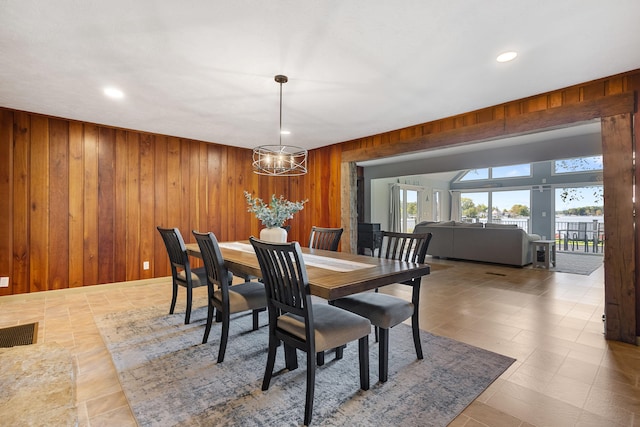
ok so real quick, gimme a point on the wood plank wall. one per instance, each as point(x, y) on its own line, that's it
point(80, 202)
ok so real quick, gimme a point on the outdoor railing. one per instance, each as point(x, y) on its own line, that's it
point(571, 236)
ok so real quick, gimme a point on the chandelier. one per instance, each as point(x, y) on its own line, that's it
point(280, 160)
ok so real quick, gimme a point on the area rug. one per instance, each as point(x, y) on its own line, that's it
point(583, 264)
point(18, 335)
point(170, 378)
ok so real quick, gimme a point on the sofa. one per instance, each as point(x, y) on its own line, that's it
point(494, 243)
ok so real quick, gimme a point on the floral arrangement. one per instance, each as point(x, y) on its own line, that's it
point(276, 212)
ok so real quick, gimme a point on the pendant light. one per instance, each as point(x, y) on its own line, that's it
point(280, 160)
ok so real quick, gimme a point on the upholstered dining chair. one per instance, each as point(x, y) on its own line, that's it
point(301, 324)
point(181, 272)
point(325, 238)
point(386, 311)
point(225, 299)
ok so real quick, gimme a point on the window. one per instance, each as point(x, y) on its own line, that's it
point(511, 171)
point(507, 207)
point(578, 164)
point(408, 209)
point(475, 174)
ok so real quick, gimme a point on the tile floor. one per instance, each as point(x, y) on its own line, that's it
point(566, 373)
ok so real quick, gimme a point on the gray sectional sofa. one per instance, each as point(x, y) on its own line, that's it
point(495, 243)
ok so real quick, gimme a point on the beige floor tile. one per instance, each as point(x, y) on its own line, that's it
point(565, 373)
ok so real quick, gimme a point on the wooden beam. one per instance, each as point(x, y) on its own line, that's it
point(619, 258)
point(552, 118)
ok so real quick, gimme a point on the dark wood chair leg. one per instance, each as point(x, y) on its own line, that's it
point(416, 335)
point(187, 316)
point(271, 360)
point(174, 298)
point(207, 328)
point(415, 318)
point(311, 385)
point(224, 337)
point(320, 358)
point(340, 351)
point(363, 356)
point(383, 355)
point(255, 319)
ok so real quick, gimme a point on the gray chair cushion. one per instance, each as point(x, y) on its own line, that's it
point(333, 326)
point(384, 311)
point(244, 296)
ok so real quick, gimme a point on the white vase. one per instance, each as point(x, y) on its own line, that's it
point(274, 235)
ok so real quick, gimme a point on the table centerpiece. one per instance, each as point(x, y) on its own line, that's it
point(273, 215)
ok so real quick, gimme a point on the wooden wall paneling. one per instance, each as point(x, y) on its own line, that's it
point(160, 260)
point(133, 206)
point(236, 185)
point(233, 190)
point(174, 183)
point(334, 186)
point(185, 196)
point(107, 205)
point(58, 204)
point(6, 197)
point(248, 181)
point(39, 205)
point(120, 207)
point(636, 138)
point(620, 297)
point(193, 201)
point(615, 85)
point(91, 206)
point(19, 281)
point(147, 206)
point(76, 204)
point(203, 193)
point(213, 207)
point(224, 210)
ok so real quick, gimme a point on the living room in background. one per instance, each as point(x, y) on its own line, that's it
point(405, 207)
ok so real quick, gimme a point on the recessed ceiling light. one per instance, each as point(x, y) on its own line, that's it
point(507, 56)
point(285, 132)
point(113, 92)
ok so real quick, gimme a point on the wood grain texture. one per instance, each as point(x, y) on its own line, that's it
point(6, 195)
point(121, 184)
point(619, 258)
point(39, 205)
point(76, 205)
point(58, 204)
point(19, 280)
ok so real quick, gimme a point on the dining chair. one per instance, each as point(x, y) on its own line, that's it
point(325, 238)
point(181, 272)
point(386, 311)
point(301, 324)
point(225, 299)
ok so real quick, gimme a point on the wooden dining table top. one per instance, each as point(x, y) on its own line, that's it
point(331, 274)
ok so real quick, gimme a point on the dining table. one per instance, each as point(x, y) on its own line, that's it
point(331, 274)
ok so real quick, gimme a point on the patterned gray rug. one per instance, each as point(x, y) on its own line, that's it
point(170, 378)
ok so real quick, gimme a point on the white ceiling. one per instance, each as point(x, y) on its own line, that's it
point(204, 69)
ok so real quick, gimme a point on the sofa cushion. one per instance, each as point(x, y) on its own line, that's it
point(494, 225)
